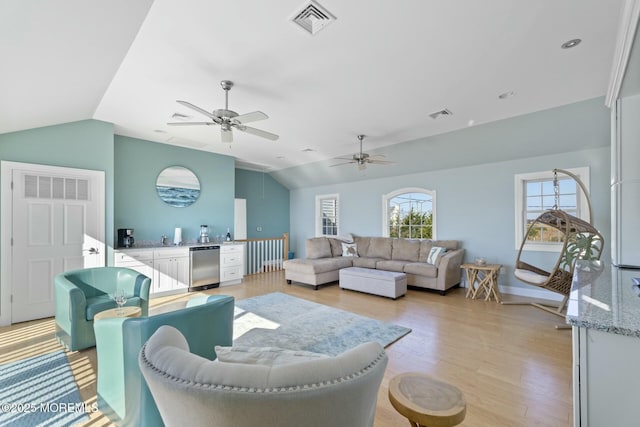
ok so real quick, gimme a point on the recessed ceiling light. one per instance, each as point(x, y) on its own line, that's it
point(159, 131)
point(506, 95)
point(570, 44)
point(308, 150)
point(279, 157)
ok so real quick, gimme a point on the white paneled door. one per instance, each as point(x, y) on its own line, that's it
point(57, 225)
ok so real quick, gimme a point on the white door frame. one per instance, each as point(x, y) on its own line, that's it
point(6, 223)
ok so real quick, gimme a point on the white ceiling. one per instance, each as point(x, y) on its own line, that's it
point(379, 69)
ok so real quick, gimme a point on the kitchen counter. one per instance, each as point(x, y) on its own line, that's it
point(157, 245)
point(169, 266)
point(604, 311)
point(602, 298)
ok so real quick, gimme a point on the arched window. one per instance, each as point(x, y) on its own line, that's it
point(409, 213)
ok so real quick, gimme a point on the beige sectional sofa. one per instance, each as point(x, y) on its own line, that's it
point(325, 260)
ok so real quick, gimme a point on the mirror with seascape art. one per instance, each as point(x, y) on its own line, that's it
point(178, 186)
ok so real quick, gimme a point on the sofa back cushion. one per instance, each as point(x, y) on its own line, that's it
point(336, 246)
point(363, 245)
point(405, 250)
point(319, 247)
point(425, 248)
point(450, 245)
point(426, 245)
point(379, 247)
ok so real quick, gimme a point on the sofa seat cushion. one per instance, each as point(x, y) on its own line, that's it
point(316, 266)
point(390, 265)
point(365, 262)
point(421, 269)
point(105, 302)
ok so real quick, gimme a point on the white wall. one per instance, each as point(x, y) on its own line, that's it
point(475, 204)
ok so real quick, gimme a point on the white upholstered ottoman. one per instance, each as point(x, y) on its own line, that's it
point(378, 282)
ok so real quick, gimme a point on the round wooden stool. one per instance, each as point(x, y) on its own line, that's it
point(426, 401)
point(129, 311)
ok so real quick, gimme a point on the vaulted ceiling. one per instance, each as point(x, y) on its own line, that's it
point(379, 68)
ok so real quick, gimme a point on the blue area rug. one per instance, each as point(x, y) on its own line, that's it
point(280, 320)
point(40, 391)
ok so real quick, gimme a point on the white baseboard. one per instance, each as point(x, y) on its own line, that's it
point(529, 292)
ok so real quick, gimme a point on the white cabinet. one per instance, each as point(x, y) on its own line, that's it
point(231, 264)
point(171, 270)
point(168, 268)
point(140, 260)
point(606, 385)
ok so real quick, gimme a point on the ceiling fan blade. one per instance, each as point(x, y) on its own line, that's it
point(258, 132)
point(382, 162)
point(190, 123)
point(377, 156)
point(226, 135)
point(250, 117)
point(342, 164)
point(352, 160)
point(199, 110)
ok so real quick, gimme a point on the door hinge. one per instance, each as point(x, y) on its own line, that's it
point(12, 241)
point(11, 299)
point(11, 185)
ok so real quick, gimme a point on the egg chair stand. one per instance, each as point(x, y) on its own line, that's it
point(580, 240)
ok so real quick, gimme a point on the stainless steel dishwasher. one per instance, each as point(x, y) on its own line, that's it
point(205, 267)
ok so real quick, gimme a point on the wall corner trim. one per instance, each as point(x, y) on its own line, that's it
point(626, 33)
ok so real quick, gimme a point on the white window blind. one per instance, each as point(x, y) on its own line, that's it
point(327, 215)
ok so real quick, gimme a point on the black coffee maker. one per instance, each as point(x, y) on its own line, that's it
point(125, 237)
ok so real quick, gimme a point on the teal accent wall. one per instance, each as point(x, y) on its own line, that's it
point(475, 203)
point(267, 203)
point(137, 205)
point(85, 144)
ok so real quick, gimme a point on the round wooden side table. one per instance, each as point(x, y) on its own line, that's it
point(130, 311)
point(427, 402)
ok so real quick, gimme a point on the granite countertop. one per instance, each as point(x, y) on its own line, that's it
point(603, 298)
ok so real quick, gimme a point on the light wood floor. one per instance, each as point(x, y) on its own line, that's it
point(511, 364)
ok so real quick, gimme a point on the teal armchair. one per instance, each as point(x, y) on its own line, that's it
point(123, 395)
point(80, 294)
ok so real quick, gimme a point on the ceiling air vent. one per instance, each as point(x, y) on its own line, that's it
point(313, 17)
point(441, 113)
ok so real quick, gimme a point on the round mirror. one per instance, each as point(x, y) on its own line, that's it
point(178, 186)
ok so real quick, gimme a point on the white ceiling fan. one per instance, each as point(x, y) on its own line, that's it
point(228, 119)
point(363, 158)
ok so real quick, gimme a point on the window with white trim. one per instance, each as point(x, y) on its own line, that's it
point(535, 193)
point(409, 213)
point(327, 215)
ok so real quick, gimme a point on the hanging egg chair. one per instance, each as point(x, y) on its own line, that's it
point(579, 238)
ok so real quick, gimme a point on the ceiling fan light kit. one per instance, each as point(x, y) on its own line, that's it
point(362, 159)
point(227, 119)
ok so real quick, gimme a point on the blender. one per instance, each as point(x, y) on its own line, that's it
point(204, 233)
